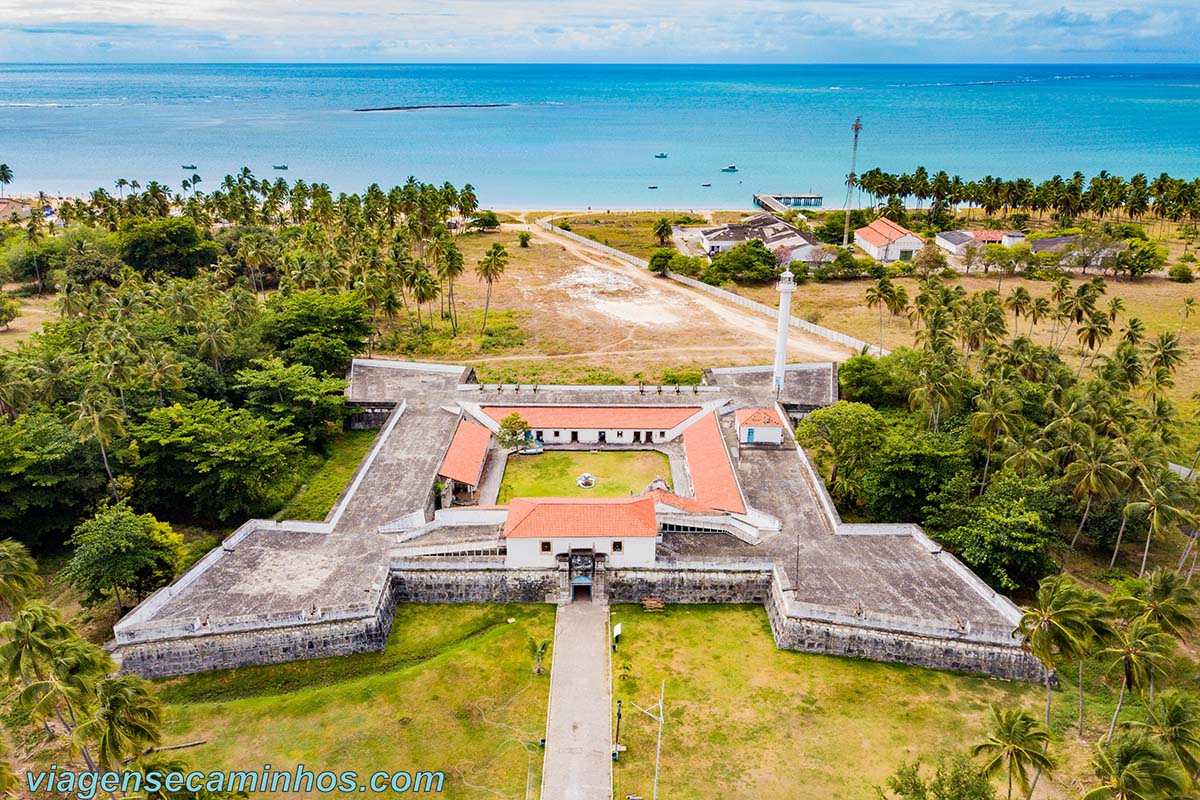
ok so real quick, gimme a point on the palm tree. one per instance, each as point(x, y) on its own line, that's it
point(537, 651)
point(1141, 454)
point(18, 576)
point(33, 236)
point(98, 418)
point(213, 340)
point(73, 668)
point(29, 639)
point(1092, 476)
point(881, 295)
point(1165, 496)
point(1016, 743)
point(1134, 766)
point(491, 268)
point(125, 720)
point(1138, 650)
point(1173, 719)
point(1057, 628)
point(9, 782)
point(1189, 308)
point(6, 176)
point(994, 416)
point(1164, 598)
point(663, 230)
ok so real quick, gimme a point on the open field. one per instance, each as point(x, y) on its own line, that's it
point(795, 726)
point(553, 473)
point(575, 315)
point(34, 312)
point(629, 231)
point(321, 489)
point(452, 692)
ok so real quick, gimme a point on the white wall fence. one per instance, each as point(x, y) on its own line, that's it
point(858, 345)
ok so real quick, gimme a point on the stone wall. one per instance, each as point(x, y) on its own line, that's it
point(470, 582)
point(693, 584)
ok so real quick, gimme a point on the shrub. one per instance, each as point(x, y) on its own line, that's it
point(9, 310)
point(660, 260)
point(1181, 273)
point(484, 220)
point(564, 225)
point(523, 238)
point(682, 376)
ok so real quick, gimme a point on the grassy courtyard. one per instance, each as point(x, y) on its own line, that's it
point(794, 725)
point(453, 692)
point(552, 474)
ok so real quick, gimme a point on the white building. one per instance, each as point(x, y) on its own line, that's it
point(788, 242)
point(599, 424)
point(538, 530)
point(884, 240)
point(956, 242)
point(758, 426)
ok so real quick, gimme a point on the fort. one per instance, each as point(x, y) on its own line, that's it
point(742, 517)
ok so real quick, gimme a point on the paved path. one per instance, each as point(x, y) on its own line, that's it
point(578, 763)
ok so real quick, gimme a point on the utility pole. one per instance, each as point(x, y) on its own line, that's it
point(850, 179)
point(659, 718)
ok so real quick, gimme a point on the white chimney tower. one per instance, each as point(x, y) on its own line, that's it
point(786, 286)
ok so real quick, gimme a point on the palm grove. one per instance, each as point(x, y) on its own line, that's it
point(194, 374)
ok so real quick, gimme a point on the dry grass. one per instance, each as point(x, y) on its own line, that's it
point(35, 311)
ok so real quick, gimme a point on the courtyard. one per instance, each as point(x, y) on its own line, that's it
point(617, 473)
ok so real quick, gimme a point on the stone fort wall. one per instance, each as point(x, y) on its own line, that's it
point(481, 582)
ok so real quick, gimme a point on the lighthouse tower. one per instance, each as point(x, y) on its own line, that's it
point(786, 285)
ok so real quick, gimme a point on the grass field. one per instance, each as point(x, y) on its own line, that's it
point(453, 692)
point(793, 726)
point(316, 496)
point(553, 473)
point(630, 231)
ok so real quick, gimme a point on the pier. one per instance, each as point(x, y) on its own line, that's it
point(782, 203)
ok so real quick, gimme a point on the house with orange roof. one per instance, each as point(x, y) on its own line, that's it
point(462, 466)
point(758, 426)
point(884, 240)
point(620, 531)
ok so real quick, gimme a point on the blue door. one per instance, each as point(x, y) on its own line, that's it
point(750, 435)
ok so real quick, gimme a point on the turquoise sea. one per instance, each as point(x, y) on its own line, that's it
point(585, 136)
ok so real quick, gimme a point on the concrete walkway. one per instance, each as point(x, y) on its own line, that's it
point(578, 764)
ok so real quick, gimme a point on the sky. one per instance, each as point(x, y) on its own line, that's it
point(605, 31)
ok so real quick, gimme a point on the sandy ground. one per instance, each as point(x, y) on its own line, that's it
point(34, 312)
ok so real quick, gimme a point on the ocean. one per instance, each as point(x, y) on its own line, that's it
point(576, 136)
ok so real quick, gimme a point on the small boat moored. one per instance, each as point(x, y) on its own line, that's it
point(730, 168)
point(706, 185)
point(281, 167)
point(651, 187)
point(660, 155)
point(187, 166)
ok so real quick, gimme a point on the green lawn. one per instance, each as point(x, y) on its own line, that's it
point(745, 720)
point(553, 473)
point(320, 491)
point(453, 692)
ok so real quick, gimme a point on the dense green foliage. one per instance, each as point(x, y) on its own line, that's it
point(122, 554)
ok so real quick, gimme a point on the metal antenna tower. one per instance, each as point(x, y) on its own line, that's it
point(850, 180)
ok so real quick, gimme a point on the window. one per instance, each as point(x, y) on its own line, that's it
point(662, 433)
point(545, 547)
point(620, 434)
point(618, 546)
point(556, 433)
point(906, 255)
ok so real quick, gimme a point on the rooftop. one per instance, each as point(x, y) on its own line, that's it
point(629, 417)
point(767, 228)
point(574, 517)
point(468, 451)
point(757, 417)
point(713, 481)
point(882, 232)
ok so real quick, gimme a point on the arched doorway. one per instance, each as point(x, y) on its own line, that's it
point(581, 589)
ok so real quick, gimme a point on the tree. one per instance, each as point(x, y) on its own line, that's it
point(995, 415)
point(280, 392)
point(663, 230)
point(1163, 598)
point(223, 462)
point(523, 238)
point(1092, 476)
point(1138, 651)
point(1164, 505)
point(6, 176)
point(98, 419)
point(118, 552)
point(1015, 743)
point(126, 719)
point(660, 260)
point(748, 262)
point(173, 246)
point(1056, 629)
point(537, 651)
point(842, 437)
point(1173, 719)
point(9, 310)
point(485, 220)
point(318, 328)
point(490, 269)
point(958, 778)
point(513, 432)
point(18, 577)
point(881, 295)
point(1133, 766)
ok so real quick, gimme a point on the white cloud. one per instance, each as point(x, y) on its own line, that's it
point(586, 30)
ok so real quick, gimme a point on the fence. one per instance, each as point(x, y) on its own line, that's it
point(829, 334)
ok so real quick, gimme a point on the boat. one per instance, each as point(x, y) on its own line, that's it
point(187, 166)
point(706, 185)
point(730, 168)
point(660, 155)
point(280, 167)
point(651, 187)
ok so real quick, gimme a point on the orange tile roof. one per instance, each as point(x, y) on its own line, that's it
point(684, 504)
point(596, 417)
point(757, 416)
point(575, 517)
point(883, 232)
point(713, 481)
point(468, 450)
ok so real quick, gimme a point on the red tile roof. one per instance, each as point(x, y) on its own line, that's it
point(575, 517)
point(468, 450)
point(713, 480)
point(757, 417)
point(596, 417)
point(883, 232)
point(988, 236)
point(684, 504)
